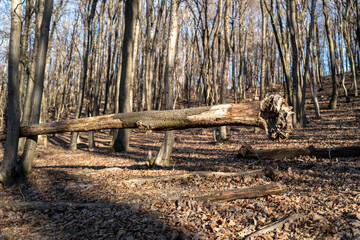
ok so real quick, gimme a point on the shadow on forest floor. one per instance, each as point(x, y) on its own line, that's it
point(118, 221)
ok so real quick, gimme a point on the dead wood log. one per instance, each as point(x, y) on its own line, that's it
point(275, 225)
point(192, 174)
point(245, 193)
point(272, 154)
point(58, 206)
point(272, 114)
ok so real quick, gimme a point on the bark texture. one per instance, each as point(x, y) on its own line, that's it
point(163, 156)
point(31, 142)
point(277, 154)
point(245, 193)
point(271, 114)
point(8, 167)
point(127, 71)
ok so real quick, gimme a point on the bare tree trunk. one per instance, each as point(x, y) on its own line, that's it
point(297, 91)
point(83, 75)
point(31, 142)
point(263, 50)
point(307, 65)
point(315, 78)
point(349, 46)
point(334, 95)
point(317, 55)
point(8, 168)
point(283, 50)
point(30, 81)
point(24, 62)
point(163, 156)
point(127, 71)
point(225, 73)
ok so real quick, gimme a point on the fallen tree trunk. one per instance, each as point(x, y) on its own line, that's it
point(193, 174)
point(274, 154)
point(267, 171)
point(270, 114)
point(245, 193)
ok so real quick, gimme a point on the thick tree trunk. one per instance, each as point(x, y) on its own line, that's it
point(127, 71)
point(271, 114)
point(8, 168)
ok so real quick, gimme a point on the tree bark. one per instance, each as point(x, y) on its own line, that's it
point(278, 154)
point(245, 193)
point(25, 118)
point(334, 95)
point(131, 11)
point(83, 75)
point(225, 73)
point(307, 65)
point(8, 168)
point(283, 53)
point(297, 89)
point(263, 49)
point(163, 156)
point(271, 114)
point(31, 142)
point(193, 174)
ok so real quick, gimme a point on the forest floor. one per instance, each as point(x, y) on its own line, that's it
point(325, 191)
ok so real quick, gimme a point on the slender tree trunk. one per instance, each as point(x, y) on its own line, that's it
point(317, 55)
point(83, 75)
point(31, 142)
point(334, 95)
point(225, 73)
point(307, 65)
point(24, 62)
point(349, 47)
point(315, 78)
point(127, 71)
point(8, 168)
point(30, 81)
point(283, 51)
point(297, 94)
point(163, 156)
point(263, 50)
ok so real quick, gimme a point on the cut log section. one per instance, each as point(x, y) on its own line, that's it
point(270, 114)
point(245, 193)
point(273, 154)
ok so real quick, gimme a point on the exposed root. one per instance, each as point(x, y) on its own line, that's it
point(277, 117)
